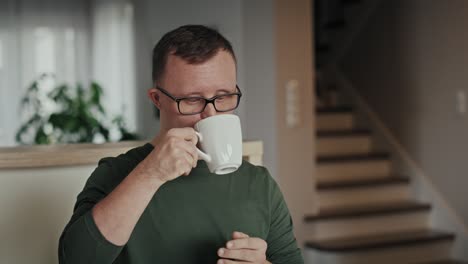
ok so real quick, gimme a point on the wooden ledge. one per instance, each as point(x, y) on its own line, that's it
point(87, 154)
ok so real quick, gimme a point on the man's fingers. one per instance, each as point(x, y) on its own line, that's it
point(187, 133)
point(192, 138)
point(237, 234)
point(247, 243)
point(192, 150)
point(189, 143)
point(239, 254)
point(189, 160)
point(227, 261)
point(243, 249)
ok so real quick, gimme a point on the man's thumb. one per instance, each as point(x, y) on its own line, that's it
point(237, 235)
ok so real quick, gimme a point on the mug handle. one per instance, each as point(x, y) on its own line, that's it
point(202, 154)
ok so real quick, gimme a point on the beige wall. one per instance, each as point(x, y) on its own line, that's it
point(35, 206)
point(409, 63)
point(296, 164)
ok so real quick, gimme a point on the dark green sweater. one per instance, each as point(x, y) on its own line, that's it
point(187, 220)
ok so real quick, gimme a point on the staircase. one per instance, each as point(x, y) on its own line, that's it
point(366, 210)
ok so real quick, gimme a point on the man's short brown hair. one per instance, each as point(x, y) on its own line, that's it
point(193, 43)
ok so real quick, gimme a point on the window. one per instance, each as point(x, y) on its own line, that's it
point(78, 41)
point(44, 51)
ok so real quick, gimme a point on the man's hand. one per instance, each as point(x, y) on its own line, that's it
point(174, 154)
point(243, 249)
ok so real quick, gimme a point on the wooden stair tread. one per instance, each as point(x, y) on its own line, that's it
point(377, 241)
point(334, 110)
point(354, 157)
point(365, 182)
point(343, 133)
point(352, 211)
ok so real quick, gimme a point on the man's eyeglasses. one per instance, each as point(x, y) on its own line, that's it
point(196, 104)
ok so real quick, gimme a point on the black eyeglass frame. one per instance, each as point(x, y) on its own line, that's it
point(207, 101)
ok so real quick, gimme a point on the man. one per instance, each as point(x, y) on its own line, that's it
point(158, 203)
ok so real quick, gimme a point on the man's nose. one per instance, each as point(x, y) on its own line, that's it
point(208, 111)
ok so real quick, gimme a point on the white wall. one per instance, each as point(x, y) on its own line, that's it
point(259, 71)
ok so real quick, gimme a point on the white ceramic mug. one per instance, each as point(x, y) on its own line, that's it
point(220, 139)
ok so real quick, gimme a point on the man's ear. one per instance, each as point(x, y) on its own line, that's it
point(154, 95)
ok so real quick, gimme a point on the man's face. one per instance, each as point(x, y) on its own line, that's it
point(213, 77)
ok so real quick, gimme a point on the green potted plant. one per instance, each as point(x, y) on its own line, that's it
point(66, 114)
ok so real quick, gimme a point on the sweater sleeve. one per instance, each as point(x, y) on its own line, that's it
point(81, 240)
point(282, 245)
